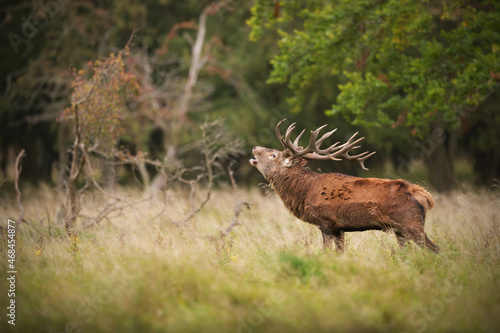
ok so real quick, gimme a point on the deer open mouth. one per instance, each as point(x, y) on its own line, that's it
point(253, 161)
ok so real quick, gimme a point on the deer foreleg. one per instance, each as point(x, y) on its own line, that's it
point(329, 236)
point(327, 240)
point(338, 237)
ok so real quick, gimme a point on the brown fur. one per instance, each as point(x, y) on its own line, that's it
point(338, 203)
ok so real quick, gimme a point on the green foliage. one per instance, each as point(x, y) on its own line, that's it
point(410, 59)
point(303, 268)
point(374, 63)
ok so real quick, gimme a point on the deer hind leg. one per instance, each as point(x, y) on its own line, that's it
point(419, 237)
point(401, 238)
point(431, 245)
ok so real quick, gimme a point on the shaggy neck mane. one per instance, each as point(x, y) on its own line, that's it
point(293, 186)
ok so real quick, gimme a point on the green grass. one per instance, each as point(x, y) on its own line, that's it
point(137, 273)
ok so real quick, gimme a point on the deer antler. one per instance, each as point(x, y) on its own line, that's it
point(313, 152)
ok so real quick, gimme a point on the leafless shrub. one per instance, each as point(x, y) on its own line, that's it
point(217, 147)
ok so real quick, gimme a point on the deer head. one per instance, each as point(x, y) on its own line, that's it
point(272, 162)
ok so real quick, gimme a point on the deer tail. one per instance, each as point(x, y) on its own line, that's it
point(422, 196)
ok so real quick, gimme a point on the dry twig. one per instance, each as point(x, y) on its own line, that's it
point(237, 210)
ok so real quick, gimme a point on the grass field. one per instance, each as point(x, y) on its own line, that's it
point(137, 273)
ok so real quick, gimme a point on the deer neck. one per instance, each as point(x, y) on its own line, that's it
point(292, 187)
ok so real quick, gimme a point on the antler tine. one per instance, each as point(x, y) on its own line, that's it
point(334, 150)
point(346, 147)
point(349, 144)
point(324, 137)
point(313, 143)
point(314, 135)
point(293, 147)
point(296, 141)
point(278, 134)
point(288, 132)
point(313, 151)
point(362, 160)
point(317, 130)
point(320, 142)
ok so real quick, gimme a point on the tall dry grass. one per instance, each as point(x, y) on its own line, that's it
point(135, 272)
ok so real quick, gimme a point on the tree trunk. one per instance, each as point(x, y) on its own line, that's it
point(62, 173)
point(73, 202)
point(108, 173)
point(439, 164)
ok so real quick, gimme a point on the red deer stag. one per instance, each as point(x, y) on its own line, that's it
point(338, 203)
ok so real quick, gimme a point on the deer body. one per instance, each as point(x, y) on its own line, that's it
point(338, 203)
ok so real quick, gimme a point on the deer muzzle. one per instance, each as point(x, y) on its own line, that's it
point(253, 161)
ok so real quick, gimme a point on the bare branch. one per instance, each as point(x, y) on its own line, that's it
point(209, 170)
point(231, 177)
point(237, 210)
point(198, 60)
point(110, 208)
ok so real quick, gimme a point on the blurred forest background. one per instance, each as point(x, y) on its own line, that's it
point(153, 87)
point(121, 119)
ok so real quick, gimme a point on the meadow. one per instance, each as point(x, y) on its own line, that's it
point(136, 272)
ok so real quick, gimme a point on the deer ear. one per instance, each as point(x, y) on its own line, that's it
point(287, 153)
point(293, 161)
point(303, 161)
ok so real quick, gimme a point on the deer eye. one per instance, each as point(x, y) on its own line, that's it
point(273, 155)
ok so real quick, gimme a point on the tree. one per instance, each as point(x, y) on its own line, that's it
point(418, 64)
point(193, 59)
point(43, 41)
point(97, 110)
